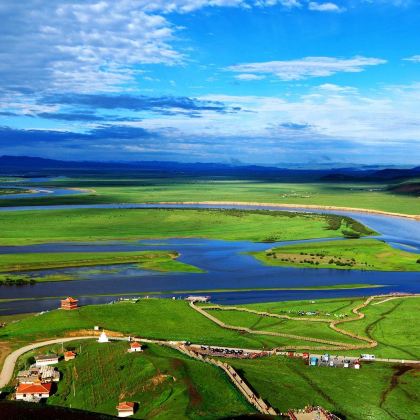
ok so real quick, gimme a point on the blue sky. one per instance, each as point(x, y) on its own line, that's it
point(252, 81)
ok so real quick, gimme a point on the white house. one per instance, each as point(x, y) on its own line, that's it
point(135, 346)
point(33, 392)
point(46, 359)
point(125, 409)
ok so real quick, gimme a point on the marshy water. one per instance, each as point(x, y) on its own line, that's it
point(226, 263)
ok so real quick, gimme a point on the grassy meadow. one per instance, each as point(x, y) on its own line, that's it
point(152, 318)
point(354, 254)
point(375, 196)
point(151, 260)
point(285, 326)
point(377, 391)
point(111, 224)
point(397, 332)
point(323, 307)
point(394, 324)
point(163, 382)
point(167, 383)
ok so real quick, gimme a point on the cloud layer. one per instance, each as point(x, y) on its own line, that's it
point(305, 68)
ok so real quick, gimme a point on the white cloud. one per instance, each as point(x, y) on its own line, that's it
point(307, 67)
point(249, 76)
point(77, 45)
point(324, 7)
point(331, 87)
point(329, 111)
point(87, 45)
point(414, 59)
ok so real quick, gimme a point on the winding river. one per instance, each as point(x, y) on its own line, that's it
point(226, 264)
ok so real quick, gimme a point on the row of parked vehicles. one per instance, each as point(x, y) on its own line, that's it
point(222, 350)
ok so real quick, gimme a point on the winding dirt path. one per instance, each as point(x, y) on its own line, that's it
point(367, 341)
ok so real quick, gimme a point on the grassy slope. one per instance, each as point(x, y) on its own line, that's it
point(394, 325)
point(152, 318)
point(256, 322)
point(164, 383)
point(152, 260)
point(109, 224)
point(352, 394)
point(369, 254)
point(397, 331)
point(323, 306)
point(361, 195)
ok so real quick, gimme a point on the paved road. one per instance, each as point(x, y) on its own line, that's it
point(10, 362)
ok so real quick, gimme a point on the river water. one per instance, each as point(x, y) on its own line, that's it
point(226, 264)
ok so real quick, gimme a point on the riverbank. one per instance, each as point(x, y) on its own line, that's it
point(92, 224)
point(365, 254)
point(297, 206)
point(205, 291)
point(26, 262)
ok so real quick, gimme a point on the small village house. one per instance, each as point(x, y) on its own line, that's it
point(125, 409)
point(33, 392)
point(69, 355)
point(34, 375)
point(69, 304)
point(135, 346)
point(46, 359)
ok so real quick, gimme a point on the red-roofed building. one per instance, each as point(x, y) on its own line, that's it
point(135, 346)
point(125, 409)
point(69, 304)
point(33, 392)
point(69, 355)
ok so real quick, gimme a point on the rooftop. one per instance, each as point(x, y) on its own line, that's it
point(70, 300)
point(125, 405)
point(33, 388)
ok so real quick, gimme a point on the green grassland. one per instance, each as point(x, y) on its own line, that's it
point(164, 383)
point(151, 260)
point(111, 224)
point(325, 308)
point(397, 332)
point(152, 318)
point(377, 196)
point(6, 191)
point(355, 254)
point(382, 391)
point(394, 324)
point(377, 391)
point(286, 326)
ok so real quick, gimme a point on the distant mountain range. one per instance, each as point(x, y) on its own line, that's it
point(34, 166)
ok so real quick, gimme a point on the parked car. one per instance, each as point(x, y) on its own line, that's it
point(367, 356)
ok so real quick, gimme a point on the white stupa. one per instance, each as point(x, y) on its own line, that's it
point(103, 338)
